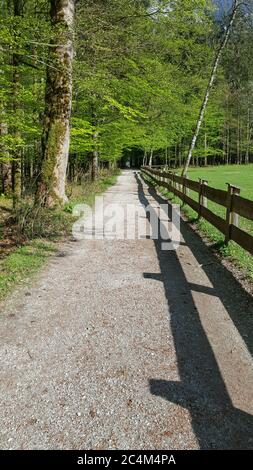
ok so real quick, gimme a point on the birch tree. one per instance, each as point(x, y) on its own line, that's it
point(222, 46)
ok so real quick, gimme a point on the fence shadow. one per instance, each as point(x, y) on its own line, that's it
point(217, 424)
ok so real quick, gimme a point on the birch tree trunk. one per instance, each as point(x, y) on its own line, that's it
point(224, 41)
point(58, 102)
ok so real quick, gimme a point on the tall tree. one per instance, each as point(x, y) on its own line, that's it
point(222, 46)
point(58, 102)
point(16, 163)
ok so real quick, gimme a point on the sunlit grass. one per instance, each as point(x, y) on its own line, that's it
point(22, 263)
point(87, 192)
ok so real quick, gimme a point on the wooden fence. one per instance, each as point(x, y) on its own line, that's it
point(235, 204)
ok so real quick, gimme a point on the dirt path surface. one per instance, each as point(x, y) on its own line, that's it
point(119, 344)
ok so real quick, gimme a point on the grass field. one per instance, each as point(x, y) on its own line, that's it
point(217, 177)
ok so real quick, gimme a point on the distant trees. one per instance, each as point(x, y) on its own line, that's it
point(24, 36)
point(134, 84)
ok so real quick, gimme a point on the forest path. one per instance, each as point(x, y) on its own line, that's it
point(119, 344)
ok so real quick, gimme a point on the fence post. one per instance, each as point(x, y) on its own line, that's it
point(202, 198)
point(231, 218)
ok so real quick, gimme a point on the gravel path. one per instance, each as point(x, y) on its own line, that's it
point(118, 344)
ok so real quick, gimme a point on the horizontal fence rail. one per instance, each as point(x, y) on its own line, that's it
point(235, 204)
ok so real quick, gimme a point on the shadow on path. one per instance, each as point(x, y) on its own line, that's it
point(217, 424)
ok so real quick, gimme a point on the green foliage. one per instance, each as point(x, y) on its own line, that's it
point(138, 80)
point(139, 77)
point(143, 88)
point(140, 70)
point(87, 193)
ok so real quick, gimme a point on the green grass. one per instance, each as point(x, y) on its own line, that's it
point(41, 231)
point(86, 193)
point(217, 177)
point(22, 263)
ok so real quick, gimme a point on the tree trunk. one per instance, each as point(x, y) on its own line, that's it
point(228, 159)
point(58, 101)
point(238, 138)
point(94, 158)
point(179, 156)
point(150, 158)
point(224, 145)
point(5, 165)
point(247, 138)
point(144, 161)
point(166, 157)
point(169, 158)
point(205, 161)
point(16, 164)
point(94, 153)
point(224, 41)
point(6, 178)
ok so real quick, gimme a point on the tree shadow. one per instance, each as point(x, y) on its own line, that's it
point(217, 424)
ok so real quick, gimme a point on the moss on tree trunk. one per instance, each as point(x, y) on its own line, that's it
point(58, 101)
